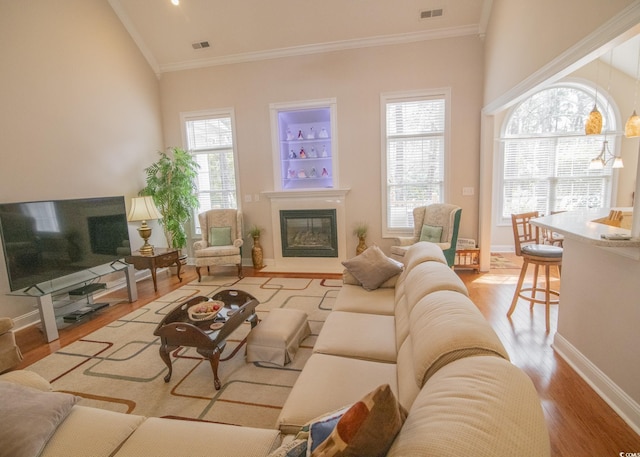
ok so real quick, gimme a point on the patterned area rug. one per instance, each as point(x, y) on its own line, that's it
point(118, 367)
point(503, 261)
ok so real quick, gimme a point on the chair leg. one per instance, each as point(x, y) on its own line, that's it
point(516, 295)
point(198, 271)
point(536, 272)
point(240, 276)
point(547, 299)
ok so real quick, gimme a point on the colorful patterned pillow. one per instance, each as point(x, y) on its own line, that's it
point(367, 428)
point(295, 448)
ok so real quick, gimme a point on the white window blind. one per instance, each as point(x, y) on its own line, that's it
point(546, 154)
point(210, 140)
point(414, 156)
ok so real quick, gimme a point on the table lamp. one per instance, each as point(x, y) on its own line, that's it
point(143, 209)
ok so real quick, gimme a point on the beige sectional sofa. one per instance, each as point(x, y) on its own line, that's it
point(419, 333)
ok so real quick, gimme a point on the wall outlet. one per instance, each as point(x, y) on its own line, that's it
point(247, 198)
point(467, 191)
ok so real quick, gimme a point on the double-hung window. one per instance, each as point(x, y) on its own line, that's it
point(546, 154)
point(210, 138)
point(414, 144)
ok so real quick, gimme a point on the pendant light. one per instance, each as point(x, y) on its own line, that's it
point(632, 127)
point(605, 156)
point(593, 125)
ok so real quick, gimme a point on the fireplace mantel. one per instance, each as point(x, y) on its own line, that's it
point(307, 199)
point(306, 193)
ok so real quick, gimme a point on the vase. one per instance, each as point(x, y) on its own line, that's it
point(256, 253)
point(361, 245)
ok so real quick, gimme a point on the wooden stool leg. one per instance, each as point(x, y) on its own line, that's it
point(547, 300)
point(536, 272)
point(516, 295)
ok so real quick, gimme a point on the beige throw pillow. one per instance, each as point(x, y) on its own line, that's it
point(372, 267)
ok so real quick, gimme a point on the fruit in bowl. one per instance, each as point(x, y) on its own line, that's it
point(205, 310)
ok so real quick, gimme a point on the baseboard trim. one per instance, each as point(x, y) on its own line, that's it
point(625, 406)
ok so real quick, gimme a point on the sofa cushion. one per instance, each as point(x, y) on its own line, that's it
point(91, 431)
point(429, 277)
point(372, 268)
point(27, 378)
point(358, 335)
point(367, 428)
point(348, 278)
point(159, 437)
point(356, 299)
point(330, 382)
point(446, 326)
point(423, 251)
point(29, 418)
point(493, 404)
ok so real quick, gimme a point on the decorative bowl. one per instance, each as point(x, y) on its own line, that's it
point(205, 310)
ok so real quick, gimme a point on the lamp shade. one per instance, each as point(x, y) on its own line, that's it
point(632, 127)
point(143, 209)
point(594, 122)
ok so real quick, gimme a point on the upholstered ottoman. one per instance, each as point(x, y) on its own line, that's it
point(277, 337)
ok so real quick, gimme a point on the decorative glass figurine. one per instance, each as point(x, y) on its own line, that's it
point(325, 172)
point(303, 155)
point(289, 135)
point(292, 173)
point(312, 153)
point(300, 135)
point(324, 151)
point(323, 133)
point(302, 174)
point(311, 135)
point(292, 155)
point(313, 173)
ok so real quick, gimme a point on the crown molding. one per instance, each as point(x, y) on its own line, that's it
point(321, 48)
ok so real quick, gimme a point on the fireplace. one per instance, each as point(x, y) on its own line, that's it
point(305, 258)
point(309, 233)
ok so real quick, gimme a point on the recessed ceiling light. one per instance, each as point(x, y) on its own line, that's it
point(175, 2)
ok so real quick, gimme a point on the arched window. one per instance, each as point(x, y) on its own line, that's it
point(546, 154)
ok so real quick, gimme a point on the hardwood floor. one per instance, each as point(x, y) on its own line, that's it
point(580, 422)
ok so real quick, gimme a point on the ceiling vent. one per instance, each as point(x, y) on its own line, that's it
point(200, 45)
point(431, 13)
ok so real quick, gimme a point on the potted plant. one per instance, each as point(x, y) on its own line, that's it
point(171, 181)
point(256, 250)
point(361, 232)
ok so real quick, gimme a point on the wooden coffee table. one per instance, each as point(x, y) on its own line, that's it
point(178, 330)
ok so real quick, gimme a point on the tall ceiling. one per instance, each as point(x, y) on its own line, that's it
point(244, 30)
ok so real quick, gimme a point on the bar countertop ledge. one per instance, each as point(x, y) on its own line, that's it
point(598, 331)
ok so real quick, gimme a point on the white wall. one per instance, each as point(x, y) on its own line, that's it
point(355, 78)
point(79, 109)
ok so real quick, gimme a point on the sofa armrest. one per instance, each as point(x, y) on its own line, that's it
point(202, 244)
point(6, 324)
point(238, 242)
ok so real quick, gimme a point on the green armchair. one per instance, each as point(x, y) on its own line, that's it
point(438, 223)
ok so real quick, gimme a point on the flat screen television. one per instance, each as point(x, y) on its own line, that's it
point(46, 240)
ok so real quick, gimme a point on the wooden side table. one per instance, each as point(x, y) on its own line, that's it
point(467, 259)
point(161, 257)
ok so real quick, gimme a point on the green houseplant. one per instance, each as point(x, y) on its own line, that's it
point(171, 181)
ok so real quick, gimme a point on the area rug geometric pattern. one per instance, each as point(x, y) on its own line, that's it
point(118, 367)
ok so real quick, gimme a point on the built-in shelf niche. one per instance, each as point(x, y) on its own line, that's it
point(305, 155)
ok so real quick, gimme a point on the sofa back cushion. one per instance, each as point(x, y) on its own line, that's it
point(429, 277)
point(446, 326)
point(479, 406)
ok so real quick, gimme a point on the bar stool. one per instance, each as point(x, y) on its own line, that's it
point(527, 244)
